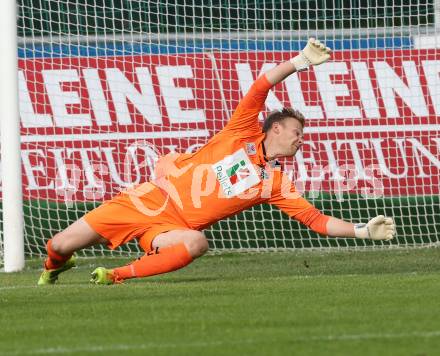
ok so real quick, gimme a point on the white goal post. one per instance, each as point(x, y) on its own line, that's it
point(12, 242)
point(105, 87)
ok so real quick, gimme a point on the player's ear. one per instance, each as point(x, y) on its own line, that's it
point(276, 127)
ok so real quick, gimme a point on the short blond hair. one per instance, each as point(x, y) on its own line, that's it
point(280, 116)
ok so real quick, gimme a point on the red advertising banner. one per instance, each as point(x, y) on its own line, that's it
point(89, 124)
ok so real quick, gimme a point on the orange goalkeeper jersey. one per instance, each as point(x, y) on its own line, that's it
point(229, 174)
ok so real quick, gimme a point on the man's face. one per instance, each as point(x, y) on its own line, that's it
point(289, 136)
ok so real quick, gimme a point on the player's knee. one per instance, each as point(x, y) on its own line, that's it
point(197, 244)
point(58, 245)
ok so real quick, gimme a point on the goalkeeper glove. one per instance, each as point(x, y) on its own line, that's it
point(378, 228)
point(314, 53)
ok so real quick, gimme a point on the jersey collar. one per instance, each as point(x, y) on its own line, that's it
point(261, 153)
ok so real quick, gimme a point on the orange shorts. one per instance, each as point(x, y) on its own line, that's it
point(123, 219)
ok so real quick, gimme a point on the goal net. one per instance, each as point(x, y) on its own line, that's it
point(105, 87)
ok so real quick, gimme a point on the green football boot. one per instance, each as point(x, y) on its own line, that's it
point(50, 276)
point(103, 275)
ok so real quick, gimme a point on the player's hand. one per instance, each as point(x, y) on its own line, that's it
point(314, 53)
point(378, 228)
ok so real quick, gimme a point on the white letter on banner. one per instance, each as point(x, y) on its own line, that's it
point(330, 91)
point(377, 145)
point(358, 165)
point(87, 167)
point(417, 147)
point(293, 88)
point(366, 91)
point(432, 71)
point(331, 159)
point(245, 79)
point(62, 178)
point(391, 84)
point(29, 169)
point(130, 164)
point(172, 95)
point(28, 116)
point(59, 98)
point(97, 98)
point(301, 162)
point(145, 100)
point(297, 101)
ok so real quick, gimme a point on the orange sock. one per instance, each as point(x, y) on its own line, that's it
point(160, 261)
point(53, 259)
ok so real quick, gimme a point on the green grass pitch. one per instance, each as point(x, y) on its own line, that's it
point(294, 303)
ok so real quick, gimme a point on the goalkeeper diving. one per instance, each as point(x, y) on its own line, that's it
point(237, 169)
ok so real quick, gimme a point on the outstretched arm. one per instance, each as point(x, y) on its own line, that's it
point(314, 53)
point(245, 117)
point(338, 227)
point(378, 228)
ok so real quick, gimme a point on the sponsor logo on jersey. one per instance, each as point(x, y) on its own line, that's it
point(250, 148)
point(236, 173)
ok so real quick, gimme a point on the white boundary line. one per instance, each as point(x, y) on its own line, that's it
point(205, 133)
point(115, 136)
point(127, 347)
point(371, 128)
point(201, 344)
point(281, 278)
point(346, 337)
